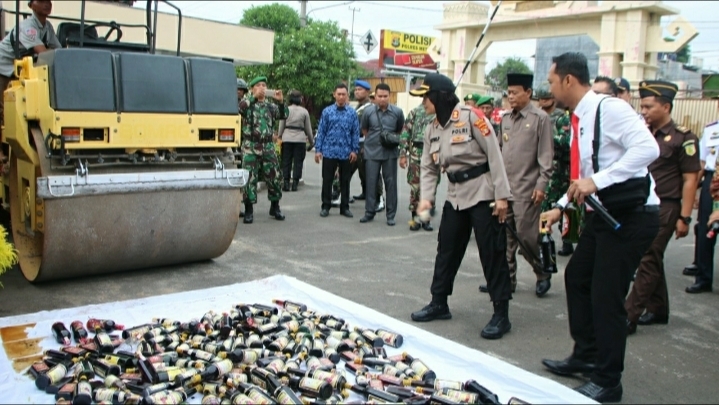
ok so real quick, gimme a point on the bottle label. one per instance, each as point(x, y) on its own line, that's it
point(311, 384)
point(40, 368)
point(292, 307)
point(203, 355)
point(281, 342)
point(258, 398)
point(242, 399)
point(210, 348)
point(283, 397)
point(103, 339)
point(68, 388)
point(388, 337)
point(104, 394)
point(224, 367)
point(331, 323)
point(84, 388)
point(329, 378)
point(440, 384)
point(76, 351)
point(420, 368)
point(461, 396)
point(56, 373)
point(258, 381)
point(376, 384)
point(113, 381)
point(166, 397)
point(250, 357)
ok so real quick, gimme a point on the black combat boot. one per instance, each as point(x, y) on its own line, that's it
point(427, 226)
point(437, 309)
point(276, 212)
point(295, 183)
point(567, 249)
point(499, 324)
point(249, 217)
point(286, 185)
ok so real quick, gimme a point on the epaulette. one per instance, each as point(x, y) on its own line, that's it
point(682, 129)
point(712, 124)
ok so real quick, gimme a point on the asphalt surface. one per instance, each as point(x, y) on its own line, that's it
point(390, 268)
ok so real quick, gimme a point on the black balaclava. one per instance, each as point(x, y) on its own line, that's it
point(444, 103)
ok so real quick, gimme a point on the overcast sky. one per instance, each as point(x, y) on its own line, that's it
point(420, 17)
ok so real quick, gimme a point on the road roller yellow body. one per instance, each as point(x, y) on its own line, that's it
point(120, 159)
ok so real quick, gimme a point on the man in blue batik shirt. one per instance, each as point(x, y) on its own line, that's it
point(337, 145)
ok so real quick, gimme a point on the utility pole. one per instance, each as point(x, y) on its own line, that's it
point(352, 41)
point(303, 13)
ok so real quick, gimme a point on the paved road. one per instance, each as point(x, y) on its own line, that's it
point(389, 269)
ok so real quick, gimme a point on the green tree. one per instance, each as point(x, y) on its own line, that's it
point(312, 59)
point(684, 55)
point(497, 77)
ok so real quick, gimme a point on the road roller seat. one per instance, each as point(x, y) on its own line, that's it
point(70, 32)
point(80, 79)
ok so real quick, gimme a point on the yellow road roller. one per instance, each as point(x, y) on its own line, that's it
point(119, 158)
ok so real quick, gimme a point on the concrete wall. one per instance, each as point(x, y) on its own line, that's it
point(243, 45)
point(549, 47)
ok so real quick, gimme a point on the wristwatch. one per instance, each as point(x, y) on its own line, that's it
point(557, 206)
point(686, 220)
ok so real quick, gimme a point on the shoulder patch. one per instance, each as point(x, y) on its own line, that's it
point(31, 33)
point(455, 115)
point(481, 124)
point(682, 129)
point(689, 148)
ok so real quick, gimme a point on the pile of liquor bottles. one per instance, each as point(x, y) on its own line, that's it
point(252, 354)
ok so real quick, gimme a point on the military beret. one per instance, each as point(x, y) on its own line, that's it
point(363, 84)
point(434, 82)
point(520, 79)
point(658, 88)
point(257, 80)
point(485, 100)
point(469, 96)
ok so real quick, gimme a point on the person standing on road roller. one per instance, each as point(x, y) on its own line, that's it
point(258, 148)
point(411, 142)
point(527, 150)
point(37, 35)
point(675, 173)
point(461, 143)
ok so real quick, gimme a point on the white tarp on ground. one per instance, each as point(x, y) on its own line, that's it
point(448, 359)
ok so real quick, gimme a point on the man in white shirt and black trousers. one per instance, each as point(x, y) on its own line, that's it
point(598, 275)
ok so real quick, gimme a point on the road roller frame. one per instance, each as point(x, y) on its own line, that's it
point(120, 160)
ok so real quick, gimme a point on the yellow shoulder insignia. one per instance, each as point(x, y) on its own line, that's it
point(682, 129)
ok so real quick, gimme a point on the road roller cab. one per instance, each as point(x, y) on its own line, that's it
point(120, 158)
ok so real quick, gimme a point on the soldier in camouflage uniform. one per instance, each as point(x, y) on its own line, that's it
point(258, 149)
point(411, 142)
point(559, 182)
point(241, 94)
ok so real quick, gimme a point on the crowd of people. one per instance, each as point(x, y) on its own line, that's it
point(582, 149)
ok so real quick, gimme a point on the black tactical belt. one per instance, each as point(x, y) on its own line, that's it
point(461, 177)
point(294, 127)
point(419, 145)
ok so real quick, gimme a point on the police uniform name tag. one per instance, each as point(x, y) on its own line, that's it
point(457, 139)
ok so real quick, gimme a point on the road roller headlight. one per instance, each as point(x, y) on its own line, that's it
point(71, 134)
point(227, 135)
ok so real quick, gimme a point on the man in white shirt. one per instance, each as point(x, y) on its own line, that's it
point(598, 275)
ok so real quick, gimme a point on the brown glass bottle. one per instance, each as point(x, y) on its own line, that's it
point(290, 305)
point(79, 333)
point(485, 396)
point(311, 387)
point(390, 338)
point(421, 370)
point(83, 392)
point(52, 376)
point(66, 392)
point(61, 334)
point(109, 395)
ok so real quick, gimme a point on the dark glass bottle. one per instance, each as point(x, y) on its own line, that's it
point(311, 387)
point(464, 397)
point(66, 392)
point(370, 336)
point(107, 325)
point(61, 334)
point(390, 338)
point(547, 250)
point(79, 333)
point(485, 396)
point(52, 376)
point(421, 370)
point(83, 392)
point(290, 305)
point(109, 395)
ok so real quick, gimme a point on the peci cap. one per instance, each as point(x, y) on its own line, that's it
point(658, 88)
point(434, 82)
point(363, 84)
point(622, 84)
point(257, 80)
point(520, 79)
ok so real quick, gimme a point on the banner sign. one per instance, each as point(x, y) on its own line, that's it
point(405, 49)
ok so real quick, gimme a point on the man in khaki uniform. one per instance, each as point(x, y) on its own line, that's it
point(527, 149)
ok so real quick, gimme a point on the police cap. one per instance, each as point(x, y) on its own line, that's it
point(658, 88)
point(434, 82)
point(622, 84)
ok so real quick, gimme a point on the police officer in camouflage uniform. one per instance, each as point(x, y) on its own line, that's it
point(258, 148)
point(559, 182)
point(411, 142)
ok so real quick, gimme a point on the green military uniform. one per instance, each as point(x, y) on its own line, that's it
point(488, 100)
point(259, 156)
point(411, 142)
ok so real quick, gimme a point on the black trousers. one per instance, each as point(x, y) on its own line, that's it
point(597, 280)
point(389, 176)
point(293, 154)
point(329, 166)
point(454, 232)
point(704, 258)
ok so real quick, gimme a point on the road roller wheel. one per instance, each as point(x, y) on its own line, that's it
point(28, 246)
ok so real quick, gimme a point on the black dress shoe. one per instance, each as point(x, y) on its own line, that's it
point(651, 319)
point(360, 197)
point(497, 327)
point(352, 200)
point(324, 212)
point(599, 393)
point(569, 366)
point(697, 288)
point(483, 288)
point(414, 225)
point(346, 213)
point(690, 270)
point(542, 287)
point(567, 249)
point(431, 312)
point(366, 218)
point(631, 327)
point(427, 227)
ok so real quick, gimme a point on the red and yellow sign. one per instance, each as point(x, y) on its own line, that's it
point(405, 49)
